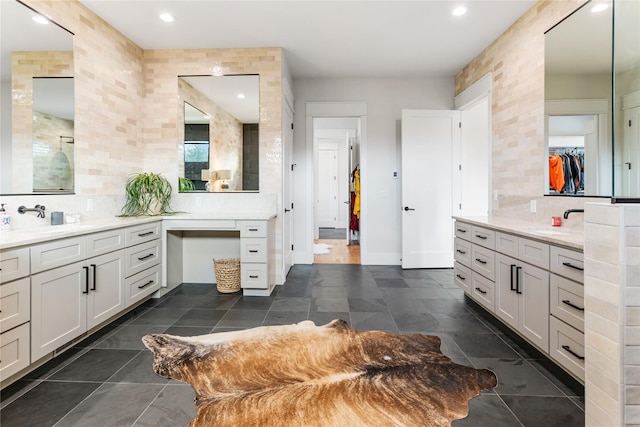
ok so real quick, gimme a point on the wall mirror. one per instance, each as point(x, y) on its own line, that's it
point(36, 70)
point(219, 133)
point(578, 103)
point(626, 54)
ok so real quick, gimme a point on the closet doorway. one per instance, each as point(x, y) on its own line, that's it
point(336, 172)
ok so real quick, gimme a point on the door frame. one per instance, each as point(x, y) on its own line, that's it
point(337, 110)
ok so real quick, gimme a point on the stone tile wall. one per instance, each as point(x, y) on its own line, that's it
point(516, 61)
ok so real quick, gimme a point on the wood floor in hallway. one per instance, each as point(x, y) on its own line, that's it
point(340, 252)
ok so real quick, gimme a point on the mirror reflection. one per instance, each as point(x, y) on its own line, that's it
point(30, 53)
point(219, 136)
point(578, 102)
point(626, 55)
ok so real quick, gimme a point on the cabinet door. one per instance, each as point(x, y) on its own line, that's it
point(533, 285)
point(506, 297)
point(106, 290)
point(58, 307)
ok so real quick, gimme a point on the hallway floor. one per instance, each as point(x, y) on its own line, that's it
point(107, 380)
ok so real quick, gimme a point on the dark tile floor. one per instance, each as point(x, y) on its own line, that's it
point(106, 380)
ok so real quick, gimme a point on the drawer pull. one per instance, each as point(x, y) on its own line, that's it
point(253, 251)
point(145, 234)
point(146, 284)
point(481, 261)
point(253, 229)
point(573, 353)
point(568, 264)
point(461, 277)
point(480, 236)
point(461, 230)
point(145, 257)
point(253, 277)
point(566, 301)
point(481, 291)
point(518, 291)
point(460, 252)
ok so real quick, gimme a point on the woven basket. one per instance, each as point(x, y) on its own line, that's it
point(227, 274)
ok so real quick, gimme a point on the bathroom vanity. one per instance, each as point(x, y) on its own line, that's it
point(59, 284)
point(530, 278)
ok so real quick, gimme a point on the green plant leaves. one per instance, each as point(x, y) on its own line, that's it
point(147, 194)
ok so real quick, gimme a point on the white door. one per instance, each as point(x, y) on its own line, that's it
point(106, 292)
point(631, 153)
point(428, 138)
point(327, 188)
point(287, 194)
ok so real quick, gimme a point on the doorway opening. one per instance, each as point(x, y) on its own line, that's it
point(336, 147)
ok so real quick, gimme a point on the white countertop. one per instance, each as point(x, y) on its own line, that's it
point(21, 237)
point(570, 237)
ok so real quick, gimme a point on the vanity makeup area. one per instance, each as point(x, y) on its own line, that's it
point(61, 283)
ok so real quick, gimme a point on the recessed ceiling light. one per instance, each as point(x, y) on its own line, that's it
point(460, 10)
point(241, 96)
point(166, 17)
point(599, 7)
point(40, 19)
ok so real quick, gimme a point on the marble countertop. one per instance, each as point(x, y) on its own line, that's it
point(22, 237)
point(569, 237)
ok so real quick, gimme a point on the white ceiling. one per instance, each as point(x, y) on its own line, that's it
point(323, 38)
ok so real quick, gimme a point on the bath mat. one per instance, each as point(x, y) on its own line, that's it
point(321, 248)
point(308, 375)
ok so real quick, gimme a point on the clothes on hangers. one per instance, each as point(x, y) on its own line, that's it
point(566, 172)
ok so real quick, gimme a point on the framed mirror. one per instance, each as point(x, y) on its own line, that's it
point(36, 73)
point(578, 103)
point(219, 133)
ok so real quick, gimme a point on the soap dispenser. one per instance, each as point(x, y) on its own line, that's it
point(5, 219)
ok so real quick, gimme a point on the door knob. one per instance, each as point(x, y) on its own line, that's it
point(346, 203)
point(407, 208)
point(287, 210)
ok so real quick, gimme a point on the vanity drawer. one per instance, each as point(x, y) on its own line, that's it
point(253, 229)
point(254, 276)
point(483, 237)
point(462, 276)
point(462, 251)
point(533, 252)
point(567, 263)
point(14, 351)
point(141, 257)
point(14, 264)
point(15, 303)
point(483, 261)
point(46, 256)
point(253, 250)
point(507, 244)
point(463, 230)
point(105, 242)
point(567, 301)
point(142, 284)
point(142, 233)
point(483, 291)
point(566, 346)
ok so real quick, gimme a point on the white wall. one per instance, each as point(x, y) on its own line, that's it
point(380, 155)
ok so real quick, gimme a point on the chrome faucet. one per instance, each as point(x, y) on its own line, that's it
point(38, 208)
point(568, 211)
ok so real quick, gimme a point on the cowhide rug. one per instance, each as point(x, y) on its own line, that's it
point(308, 375)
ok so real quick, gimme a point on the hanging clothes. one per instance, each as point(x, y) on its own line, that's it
point(356, 202)
point(556, 174)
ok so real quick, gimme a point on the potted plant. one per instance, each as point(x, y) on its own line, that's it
point(147, 194)
point(185, 185)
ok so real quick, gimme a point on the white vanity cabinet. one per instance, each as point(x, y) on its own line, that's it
point(532, 286)
point(67, 299)
point(143, 257)
point(15, 311)
point(566, 343)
